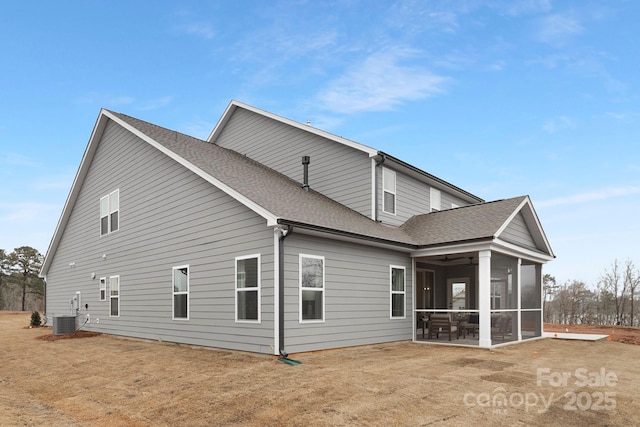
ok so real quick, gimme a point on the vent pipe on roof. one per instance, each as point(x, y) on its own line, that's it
point(305, 179)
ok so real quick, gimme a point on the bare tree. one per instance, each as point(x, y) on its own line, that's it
point(613, 281)
point(549, 288)
point(631, 281)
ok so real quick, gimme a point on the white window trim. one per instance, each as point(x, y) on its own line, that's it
point(112, 297)
point(173, 293)
point(301, 288)
point(258, 288)
point(395, 197)
point(467, 290)
point(403, 292)
point(103, 287)
point(109, 212)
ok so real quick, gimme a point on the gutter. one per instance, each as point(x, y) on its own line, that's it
point(379, 161)
point(327, 230)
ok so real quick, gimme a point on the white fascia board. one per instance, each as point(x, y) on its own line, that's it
point(520, 252)
point(307, 128)
point(495, 245)
point(452, 249)
point(270, 217)
point(83, 169)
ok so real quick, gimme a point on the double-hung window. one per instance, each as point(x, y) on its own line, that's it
point(114, 295)
point(109, 212)
point(311, 288)
point(103, 289)
point(388, 191)
point(248, 288)
point(181, 292)
point(398, 300)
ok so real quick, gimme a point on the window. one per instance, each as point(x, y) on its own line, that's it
point(311, 288)
point(114, 295)
point(458, 293)
point(434, 199)
point(109, 210)
point(388, 191)
point(248, 288)
point(181, 292)
point(103, 289)
point(397, 292)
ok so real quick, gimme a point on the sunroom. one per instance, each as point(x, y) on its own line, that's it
point(482, 287)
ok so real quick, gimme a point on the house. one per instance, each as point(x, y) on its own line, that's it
point(274, 236)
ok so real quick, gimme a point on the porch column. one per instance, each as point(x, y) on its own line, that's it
point(484, 298)
point(519, 295)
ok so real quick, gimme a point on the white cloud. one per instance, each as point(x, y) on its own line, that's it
point(416, 16)
point(522, 7)
point(198, 128)
point(25, 212)
point(106, 100)
point(558, 124)
point(199, 29)
point(15, 159)
point(602, 194)
point(557, 28)
point(154, 104)
point(379, 83)
point(626, 117)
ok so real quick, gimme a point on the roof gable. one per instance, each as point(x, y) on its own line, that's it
point(233, 105)
point(270, 194)
point(483, 221)
point(281, 200)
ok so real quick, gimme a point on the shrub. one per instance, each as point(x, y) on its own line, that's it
point(36, 320)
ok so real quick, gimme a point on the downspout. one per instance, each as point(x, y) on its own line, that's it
point(283, 233)
point(379, 161)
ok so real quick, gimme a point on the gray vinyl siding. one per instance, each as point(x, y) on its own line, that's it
point(357, 295)
point(447, 200)
point(168, 217)
point(412, 198)
point(337, 171)
point(517, 232)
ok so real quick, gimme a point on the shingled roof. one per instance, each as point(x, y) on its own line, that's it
point(285, 199)
point(281, 199)
point(466, 223)
point(273, 191)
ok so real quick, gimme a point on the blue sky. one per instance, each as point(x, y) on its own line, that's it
point(501, 98)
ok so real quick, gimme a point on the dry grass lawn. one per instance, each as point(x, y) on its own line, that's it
point(110, 381)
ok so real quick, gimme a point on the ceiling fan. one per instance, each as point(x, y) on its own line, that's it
point(447, 259)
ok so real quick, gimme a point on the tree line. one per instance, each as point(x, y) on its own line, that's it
point(21, 288)
point(614, 301)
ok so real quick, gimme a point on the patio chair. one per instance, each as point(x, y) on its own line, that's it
point(441, 322)
point(470, 324)
point(500, 326)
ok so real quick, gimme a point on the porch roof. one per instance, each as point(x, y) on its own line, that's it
point(483, 221)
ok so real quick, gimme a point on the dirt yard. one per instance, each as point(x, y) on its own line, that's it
point(110, 381)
